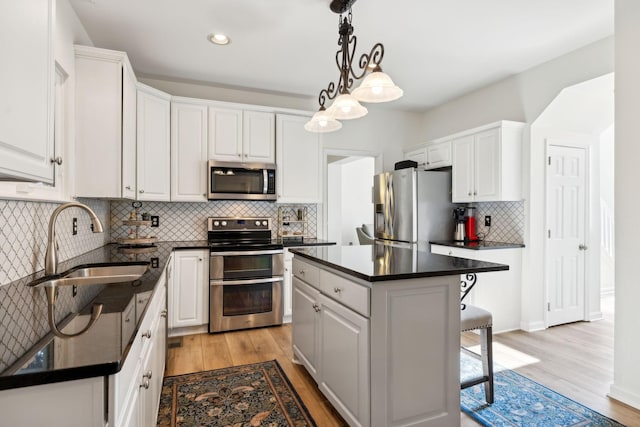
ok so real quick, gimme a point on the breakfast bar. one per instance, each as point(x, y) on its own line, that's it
point(378, 328)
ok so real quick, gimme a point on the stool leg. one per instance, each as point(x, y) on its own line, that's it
point(486, 347)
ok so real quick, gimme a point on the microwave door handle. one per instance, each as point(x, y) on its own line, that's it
point(265, 181)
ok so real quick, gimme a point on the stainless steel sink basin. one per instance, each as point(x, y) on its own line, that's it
point(98, 275)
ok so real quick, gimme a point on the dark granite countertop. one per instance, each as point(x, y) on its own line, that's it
point(304, 242)
point(375, 263)
point(477, 245)
point(103, 349)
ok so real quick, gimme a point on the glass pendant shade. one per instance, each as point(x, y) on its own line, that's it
point(322, 122)
point(346, 107)
point(377, 87)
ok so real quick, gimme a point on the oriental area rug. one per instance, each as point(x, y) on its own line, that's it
point(521, 402)
point(258, 394)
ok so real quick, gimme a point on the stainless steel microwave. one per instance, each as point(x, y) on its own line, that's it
point(241, 181)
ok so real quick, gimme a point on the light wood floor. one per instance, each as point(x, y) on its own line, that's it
point(575, 360)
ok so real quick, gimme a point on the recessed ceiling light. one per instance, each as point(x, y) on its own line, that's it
point(220, 39)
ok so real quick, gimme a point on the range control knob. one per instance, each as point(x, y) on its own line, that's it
point(216, 223)
point(224, 223)
point(264, 223)
point(258, 223)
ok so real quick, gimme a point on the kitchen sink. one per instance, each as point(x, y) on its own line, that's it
point(94, 275)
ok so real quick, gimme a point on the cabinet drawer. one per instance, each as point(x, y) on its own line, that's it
point(451, 251)
point(348, 293)
point(307, 272)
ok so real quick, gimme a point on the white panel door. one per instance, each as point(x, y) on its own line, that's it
point(153, 145)
point(188, 152)
point(344, 362)
point(304, 334)
point(225, 134)
point(188, 295)
point(259, 137)
point(566, 212)
point(26, 89)
point(487, 166)
point(298, 175)
point(463, 173)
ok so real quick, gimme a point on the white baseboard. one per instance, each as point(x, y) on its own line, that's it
point(628, 397)
point(532, 326)
point(594, 316)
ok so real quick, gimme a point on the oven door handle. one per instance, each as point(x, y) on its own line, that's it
point(244, 282)
point(230, 253)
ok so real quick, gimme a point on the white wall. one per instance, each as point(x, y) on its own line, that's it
point(626, 375)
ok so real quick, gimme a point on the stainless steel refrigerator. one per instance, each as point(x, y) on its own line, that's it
point(413, 206)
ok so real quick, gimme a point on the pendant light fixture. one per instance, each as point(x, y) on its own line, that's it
point(376, 87)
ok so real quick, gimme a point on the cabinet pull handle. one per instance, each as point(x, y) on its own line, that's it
point(337, 290)
point(316, 307)
point(146, 334)
point(57, 160)
point(163, 313)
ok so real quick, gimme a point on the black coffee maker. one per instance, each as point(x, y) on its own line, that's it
point(459, 233)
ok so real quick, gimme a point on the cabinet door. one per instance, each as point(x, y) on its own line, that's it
point(258, 137)
point(419, 156)
point(287, 290)
point(153, 174)
point(225, 134)
point(305, 324)
point(463, 165)
point(298, 176)
point(344, 362)
point(26, 85)
point(189, 293)
point(438, 155)
point(188, 152)
point(487, 166)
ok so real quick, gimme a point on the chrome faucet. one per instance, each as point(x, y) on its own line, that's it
point(51, 256)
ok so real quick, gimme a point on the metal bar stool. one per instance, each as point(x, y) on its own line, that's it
point(475, 318)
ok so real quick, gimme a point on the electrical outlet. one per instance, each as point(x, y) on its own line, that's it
point(155, 221)
point(155, 262)
point(74, 227)
point(487, 220)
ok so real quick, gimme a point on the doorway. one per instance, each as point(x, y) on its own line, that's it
point(348, 196)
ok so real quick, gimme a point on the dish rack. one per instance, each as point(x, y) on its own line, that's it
point(293, 222)
point(135, 240)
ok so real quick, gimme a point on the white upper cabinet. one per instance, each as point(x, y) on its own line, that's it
point(258, 137)
point(431, 155)
point(237, 135)
point(26, 88)
point(487, 164)
point(105, 163)
point(188, 151)
point(298, 174)
point(153, 144)
point(225, 134)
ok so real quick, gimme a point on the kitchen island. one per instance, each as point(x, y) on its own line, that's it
point(378, 328)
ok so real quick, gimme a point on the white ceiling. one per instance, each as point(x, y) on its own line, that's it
point(434, 49)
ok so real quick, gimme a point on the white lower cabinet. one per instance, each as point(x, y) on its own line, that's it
point(498, 292)
point(189, 289)
point(332, 342)
point(384, 353)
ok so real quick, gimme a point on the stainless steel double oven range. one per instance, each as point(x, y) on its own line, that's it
point(246, 270)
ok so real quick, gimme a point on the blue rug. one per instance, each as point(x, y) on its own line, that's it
point(522, 402)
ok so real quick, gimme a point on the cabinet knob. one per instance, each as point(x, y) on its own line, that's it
point(469, 193)
point(148, 375)
point(316, 307)
point(56, 160)
point(337, 290)
point(200, 259)
point(163, 313)
point(239, 155)
point(146, 334)
point(582, 247)
point(475, 193)
point(128, 187)
point(141, 191)
point(246, 155)
point(145, 384)
point(127, 320)
point(450, 253)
